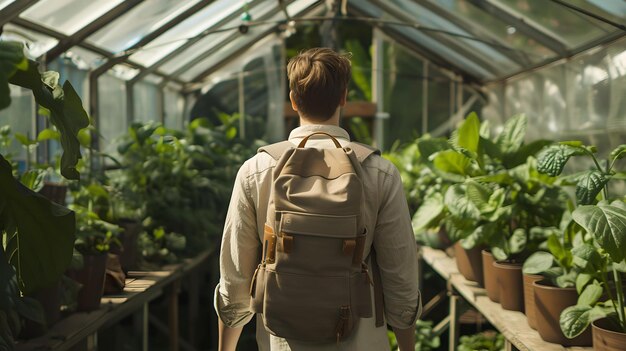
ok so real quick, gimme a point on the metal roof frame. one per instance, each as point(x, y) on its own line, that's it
point(423, 51)
point(76, 38)
point(14, 9)
point(441, 38)
point(190, 42)
point(200, 77)
point(515, 55)
point(527, 27)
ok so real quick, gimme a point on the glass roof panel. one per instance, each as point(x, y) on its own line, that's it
point(246, 40)
point(214, 39)
point(5, 3)
point(452, 57)
point(68, 16)
point(137, 23)
point(574, 28)
point(191, 27)
point(36, 44)
point(427, 18)
point(523, 45)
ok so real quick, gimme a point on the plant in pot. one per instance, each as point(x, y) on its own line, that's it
point(94, 238)
point(603, 252)
point(498, 195)
point(424, 190)
point(37, 235)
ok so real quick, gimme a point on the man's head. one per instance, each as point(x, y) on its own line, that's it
point(318, 80)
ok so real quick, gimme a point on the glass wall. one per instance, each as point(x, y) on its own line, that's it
point(577, 99)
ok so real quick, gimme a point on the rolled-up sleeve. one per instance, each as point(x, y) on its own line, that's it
point(396, 253)
point(239, 255)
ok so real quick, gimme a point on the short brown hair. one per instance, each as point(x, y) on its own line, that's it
point(318, 79)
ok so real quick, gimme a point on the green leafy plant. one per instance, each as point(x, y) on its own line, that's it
point(602, 253)
point(180, 180)
point(425, 338)
point(495, 194)
point(37, 235)
point(485, 341)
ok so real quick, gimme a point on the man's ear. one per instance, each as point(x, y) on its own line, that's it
point(343, 100)
point(293, 102)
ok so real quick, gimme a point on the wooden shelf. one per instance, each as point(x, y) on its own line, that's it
point(513, 325)
point(141, 288)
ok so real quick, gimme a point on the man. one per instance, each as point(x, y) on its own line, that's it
point(318, 80)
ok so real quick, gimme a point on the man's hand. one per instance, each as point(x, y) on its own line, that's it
point(228, 337)
point(405, 338)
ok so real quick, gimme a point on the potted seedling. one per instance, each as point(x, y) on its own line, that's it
point(602, 255)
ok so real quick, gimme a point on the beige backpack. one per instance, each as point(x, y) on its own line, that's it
point(313, 283)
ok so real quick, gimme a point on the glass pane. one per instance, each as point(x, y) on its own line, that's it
point(455, 60)
point(440, 108)
point(137, 23)
point(189, 28)
point(214, 39)
point(145, 102)
point(574, 28)
point(68, 16)
point(5, 3)
point(492, 26)
point(111, 117)
point(426, 18)
point(36, 44)
point(403, 94)
point(174, 104)
point(19, 115)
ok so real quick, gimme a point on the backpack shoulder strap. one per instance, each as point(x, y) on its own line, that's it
point(277, 149)
point(363, 151)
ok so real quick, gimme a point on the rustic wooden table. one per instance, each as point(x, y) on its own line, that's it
point(141, 288)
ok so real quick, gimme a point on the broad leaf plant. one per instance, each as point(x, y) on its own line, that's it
point(601, 255)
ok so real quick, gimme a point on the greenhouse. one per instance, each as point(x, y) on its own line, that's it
point(164, 185)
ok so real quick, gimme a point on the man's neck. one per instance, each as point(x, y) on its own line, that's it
point(333, 121)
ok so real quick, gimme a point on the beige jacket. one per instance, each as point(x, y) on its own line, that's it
point(386, 212)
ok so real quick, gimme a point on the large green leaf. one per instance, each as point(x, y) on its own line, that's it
point(518, 240)
point(360, 63)
point(552, 159)
point(452, 161)
point(589, 185)
point(587, 258)
point(590, 294)
point(562, 255)
point(512, 136)
point(11, 59)
point(524, 152)
point(619, 152)
point(66, 111)
point(429, 146)
point(538, 263)
point(574, 320)
point(41, 237)
point(431, 208)
point(607, 224)
point(459, 204)
point(582, 280)
point(468, 134)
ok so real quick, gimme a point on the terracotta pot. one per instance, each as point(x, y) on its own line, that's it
point(469, 263)
point(54, 192)
point(128, 238)
point(510, 285)
point(489, 277)
point(605, 336)
point(50, 300)
point(91, 276)
point(550, 301)
point(529, 298)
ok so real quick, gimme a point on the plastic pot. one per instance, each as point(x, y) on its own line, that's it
point(91, 276)
point(128, 238)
